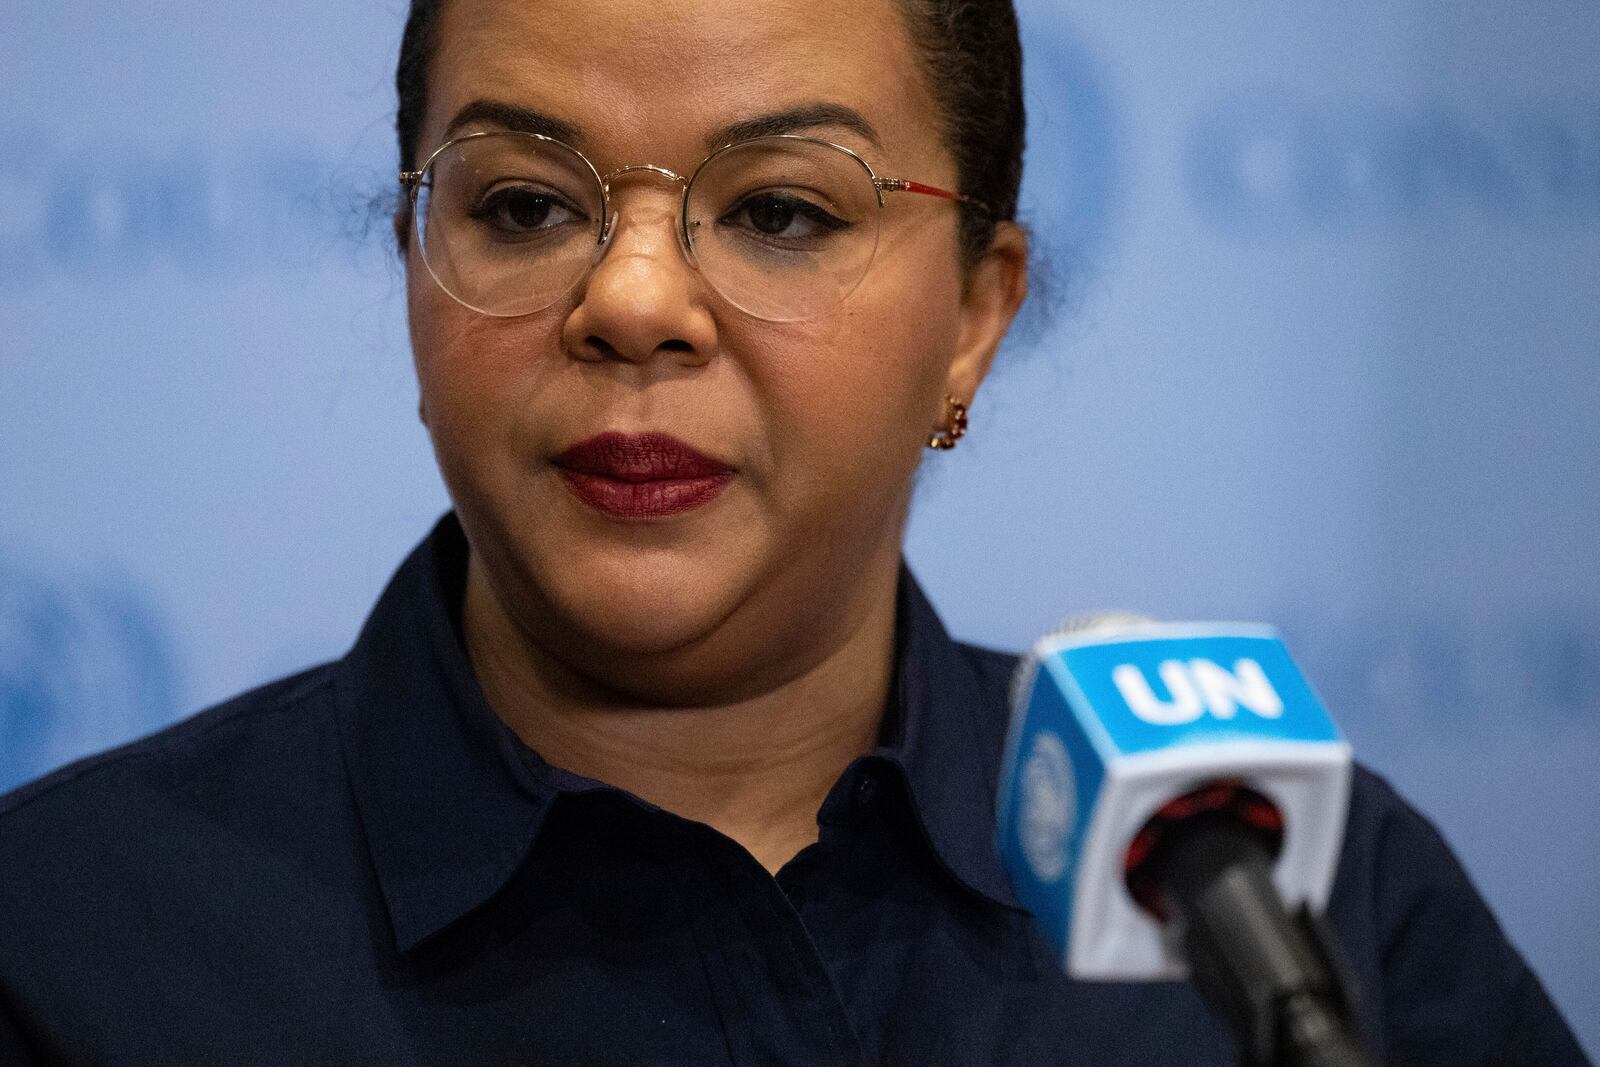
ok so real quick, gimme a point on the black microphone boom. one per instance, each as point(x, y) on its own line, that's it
point(1274, 976)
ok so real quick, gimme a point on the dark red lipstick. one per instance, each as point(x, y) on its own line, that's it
point(641, 476)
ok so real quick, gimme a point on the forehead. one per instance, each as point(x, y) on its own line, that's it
point(648, 78)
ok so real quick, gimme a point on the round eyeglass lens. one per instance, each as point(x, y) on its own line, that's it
point(783, 227)
point(508, 222)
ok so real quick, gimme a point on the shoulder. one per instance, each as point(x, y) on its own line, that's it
point(1407, 881)
point(1441, 980)
point(205, 760)
point(202, 864)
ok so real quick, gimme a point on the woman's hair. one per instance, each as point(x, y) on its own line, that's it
point(971, 57)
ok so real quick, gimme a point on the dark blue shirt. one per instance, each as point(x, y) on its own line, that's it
point(362, 865)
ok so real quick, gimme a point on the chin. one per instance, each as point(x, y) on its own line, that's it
point(641, 601)
point(652, 616)
point(649, 633)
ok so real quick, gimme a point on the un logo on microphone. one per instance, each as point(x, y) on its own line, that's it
point(1047, 806)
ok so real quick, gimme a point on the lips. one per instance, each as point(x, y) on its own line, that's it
point(641, 476)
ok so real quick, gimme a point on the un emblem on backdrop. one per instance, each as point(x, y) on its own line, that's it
point(83, 665)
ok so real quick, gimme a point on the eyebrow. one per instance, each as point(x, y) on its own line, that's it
point(513, 117)
point(790, 120)
point(795, 120)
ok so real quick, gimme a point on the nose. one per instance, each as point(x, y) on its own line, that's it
point(643, 302)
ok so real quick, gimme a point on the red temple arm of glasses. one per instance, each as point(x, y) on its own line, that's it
point(905, 185)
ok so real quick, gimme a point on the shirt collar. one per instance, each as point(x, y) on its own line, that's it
point(951, 709)
point(447, 816)
point(451, 801)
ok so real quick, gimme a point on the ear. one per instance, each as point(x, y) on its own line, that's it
point(995, 289)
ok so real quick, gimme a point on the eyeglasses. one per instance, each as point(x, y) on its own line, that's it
point(783, 227)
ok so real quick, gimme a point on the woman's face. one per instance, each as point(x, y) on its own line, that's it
point(821, 423)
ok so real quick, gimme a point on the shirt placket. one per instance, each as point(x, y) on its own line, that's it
point(776, 999)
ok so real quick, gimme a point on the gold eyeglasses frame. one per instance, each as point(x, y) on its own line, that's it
point(413, 181)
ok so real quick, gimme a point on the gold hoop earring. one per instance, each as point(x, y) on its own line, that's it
point(955, 426)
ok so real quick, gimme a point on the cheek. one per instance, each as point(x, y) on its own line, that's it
point(887, 362)
point(436, 335)
point(477, 379)
point(468, 365)
point(853, 399)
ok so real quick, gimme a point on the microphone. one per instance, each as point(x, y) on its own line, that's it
point(1172, 805)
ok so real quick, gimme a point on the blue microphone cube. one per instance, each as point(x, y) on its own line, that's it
point(1108, 727)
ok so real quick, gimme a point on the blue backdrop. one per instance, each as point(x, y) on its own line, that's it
point(1324, 352)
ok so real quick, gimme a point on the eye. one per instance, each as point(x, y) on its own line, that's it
point(783, 217)
point(525, 210)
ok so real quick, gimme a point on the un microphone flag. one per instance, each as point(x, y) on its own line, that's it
point(1109, 728)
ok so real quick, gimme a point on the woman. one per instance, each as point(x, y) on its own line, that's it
point(716, 641)
point(653, 752)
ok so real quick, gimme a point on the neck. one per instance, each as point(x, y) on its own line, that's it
point(756, 769)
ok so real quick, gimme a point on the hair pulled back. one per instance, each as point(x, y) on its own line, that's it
point(971, 57)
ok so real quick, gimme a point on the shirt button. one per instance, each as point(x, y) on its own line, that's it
point(866, 792)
